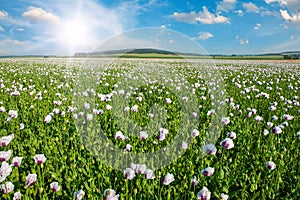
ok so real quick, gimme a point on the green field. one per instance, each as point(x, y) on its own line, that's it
point(91, 117)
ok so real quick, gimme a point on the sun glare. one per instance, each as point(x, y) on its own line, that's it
point(74, 34)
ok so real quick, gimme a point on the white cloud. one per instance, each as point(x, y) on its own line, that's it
point(2, 29)
point(20, 29)
point(3, 14)
point(244, 41)
point(205, 35)
point(271, 1)
point(12, 42)
point(239, 12)
point(292, 37)
point(204, 17)
point(291, 18)
point(12, 47)
point(257, 26)
point(35, 14)
point(241, 40)
point(292, 5)
point(250, 7)
point(226, 5)
point(284, 2)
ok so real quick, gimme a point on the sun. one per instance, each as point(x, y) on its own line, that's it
point(74, 33)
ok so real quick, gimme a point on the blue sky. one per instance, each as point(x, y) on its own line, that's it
point(63, 27)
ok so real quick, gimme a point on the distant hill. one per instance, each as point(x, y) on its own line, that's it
point(133, 51)
point(159, 53)
point(287, 54)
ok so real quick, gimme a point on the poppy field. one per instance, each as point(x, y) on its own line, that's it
point(149, 129)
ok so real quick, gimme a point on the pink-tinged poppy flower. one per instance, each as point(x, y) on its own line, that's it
point(110, 194)
point(5, 140)
point(163, 130)
point(140, 168)
point(224, 196)
point(126, 109)
point(13, 114)
point(225, 120)
point(195, 181)
point(128, 147)
point(254, 111)
point(89, 117)
point(48, 118)
point(143, 135)
point(265, 132)
point(168, 101)
point(39, 159)
point(87, 106)
point(277, 130)
point(139, 99)
point(285, 124)
point(133, 166)
point(250, 114)
point(120, 136)
point(2, 109)
point(194, 114)
point(16, 161)
point(227, 143)
point(102, 97)
point(169, 178)
point(75, 116)
point(108, 97)
point(210, 149)
point(17, 196)
point(55, 111)
point(129, 173)
point(184, 145)
point(270, 124)
point(5, 171)
point(195, 133)
point(54, 186)
point(79, 194)
point(272, 108)
point(232, 135)
point(6, 188)
point(258, 118)
point(135, 108)
point(210, 112)
point(274, 118)
point(209, 171)
point(30, 179)
point(161, 136)
point(22, 126)
point(150, 115)
point(204, 194)
point(121, 92)
point(108, 107)
point(98, 112)
point(288, 117)
point(5, 155)
point(185, 99)
point(149, 174)
point(58, 103)
point(271, 165)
